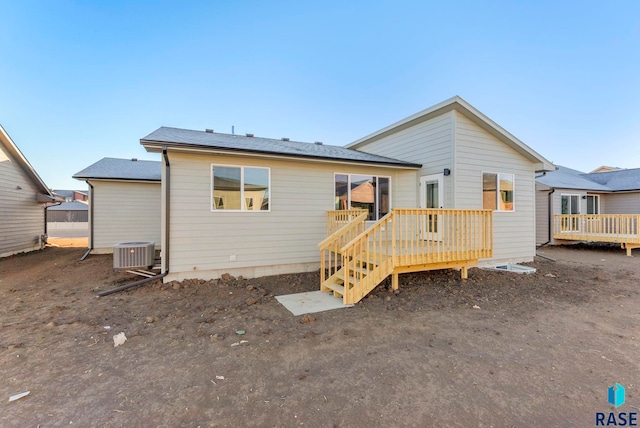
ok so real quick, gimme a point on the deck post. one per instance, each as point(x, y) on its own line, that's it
point(464, 272)
point(394, 281)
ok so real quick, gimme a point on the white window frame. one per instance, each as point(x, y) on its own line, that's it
point(242, 197)
point(569, 195)
point(349, 175)
point(513, 176)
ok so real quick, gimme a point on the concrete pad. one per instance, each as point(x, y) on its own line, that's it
point(310, 302)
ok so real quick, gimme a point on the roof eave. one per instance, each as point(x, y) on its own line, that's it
point(146, 180)
point(157, 147)
point(24, 163)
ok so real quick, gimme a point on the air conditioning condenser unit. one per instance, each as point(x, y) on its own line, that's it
point(133, 255)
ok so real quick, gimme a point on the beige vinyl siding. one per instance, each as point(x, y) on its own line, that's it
point(620, 203)
point(125, 211)
point(429, 143)
point(21, 216)
point(542, 214)
point(285, 239)
point(477, 151)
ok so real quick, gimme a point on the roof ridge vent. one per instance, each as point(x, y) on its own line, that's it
point(284, 139)
point(210, 131)
point(249, 135)
point(318, 143)
point(134, 159)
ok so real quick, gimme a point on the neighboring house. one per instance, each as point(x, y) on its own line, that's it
point(124, 202)
point(72, 195)
point(68, 219)
point(23, 197)
point(569, 192)
point(448, 156)
point(605, 168)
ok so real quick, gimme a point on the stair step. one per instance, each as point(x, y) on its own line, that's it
point(340, 275)
point(370, 260)
point(335, 287)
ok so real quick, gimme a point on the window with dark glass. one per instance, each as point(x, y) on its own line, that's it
point(367, 192)
point(593, 204)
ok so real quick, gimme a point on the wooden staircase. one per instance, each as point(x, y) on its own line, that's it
point(355, 259)
point(352, 270)
point(354, 280)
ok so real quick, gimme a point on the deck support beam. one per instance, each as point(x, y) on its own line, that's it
point(394, 281)
point(630, 247)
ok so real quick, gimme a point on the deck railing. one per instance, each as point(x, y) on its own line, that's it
point(337, 219)
point(345, 225)
point(620, 228)
point(410, 238)
point(442, 235)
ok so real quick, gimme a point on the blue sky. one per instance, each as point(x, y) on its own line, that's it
point(83, 80)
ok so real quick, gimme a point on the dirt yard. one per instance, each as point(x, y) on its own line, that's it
point(498, 349)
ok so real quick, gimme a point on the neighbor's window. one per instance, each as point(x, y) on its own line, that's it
point(497, 191)
point(570, 205)
point(240, 188)
point(368, 192)
point(593, 204)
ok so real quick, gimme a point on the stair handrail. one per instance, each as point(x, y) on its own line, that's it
point(374, 228)
point(349, 294)
point(328, 252)
point(359, 219)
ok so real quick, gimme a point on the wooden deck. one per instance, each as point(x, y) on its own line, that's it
point(623, 229)
point(354, 259)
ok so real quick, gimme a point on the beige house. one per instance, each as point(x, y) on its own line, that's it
point(23, 199)
point(468, 162)
point(600, 206)
point(124, 202)
point(449, 157)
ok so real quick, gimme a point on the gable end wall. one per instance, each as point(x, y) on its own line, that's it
point(477, 151)
point(429, 143)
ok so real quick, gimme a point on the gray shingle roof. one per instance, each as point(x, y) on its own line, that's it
point(122, 169)
point(623, 179)
point(259, 145)
point(613, 181)
point(69, 206)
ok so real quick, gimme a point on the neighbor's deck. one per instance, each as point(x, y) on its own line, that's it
point(623, 229)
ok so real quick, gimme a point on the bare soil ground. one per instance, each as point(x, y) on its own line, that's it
point(498, 349)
